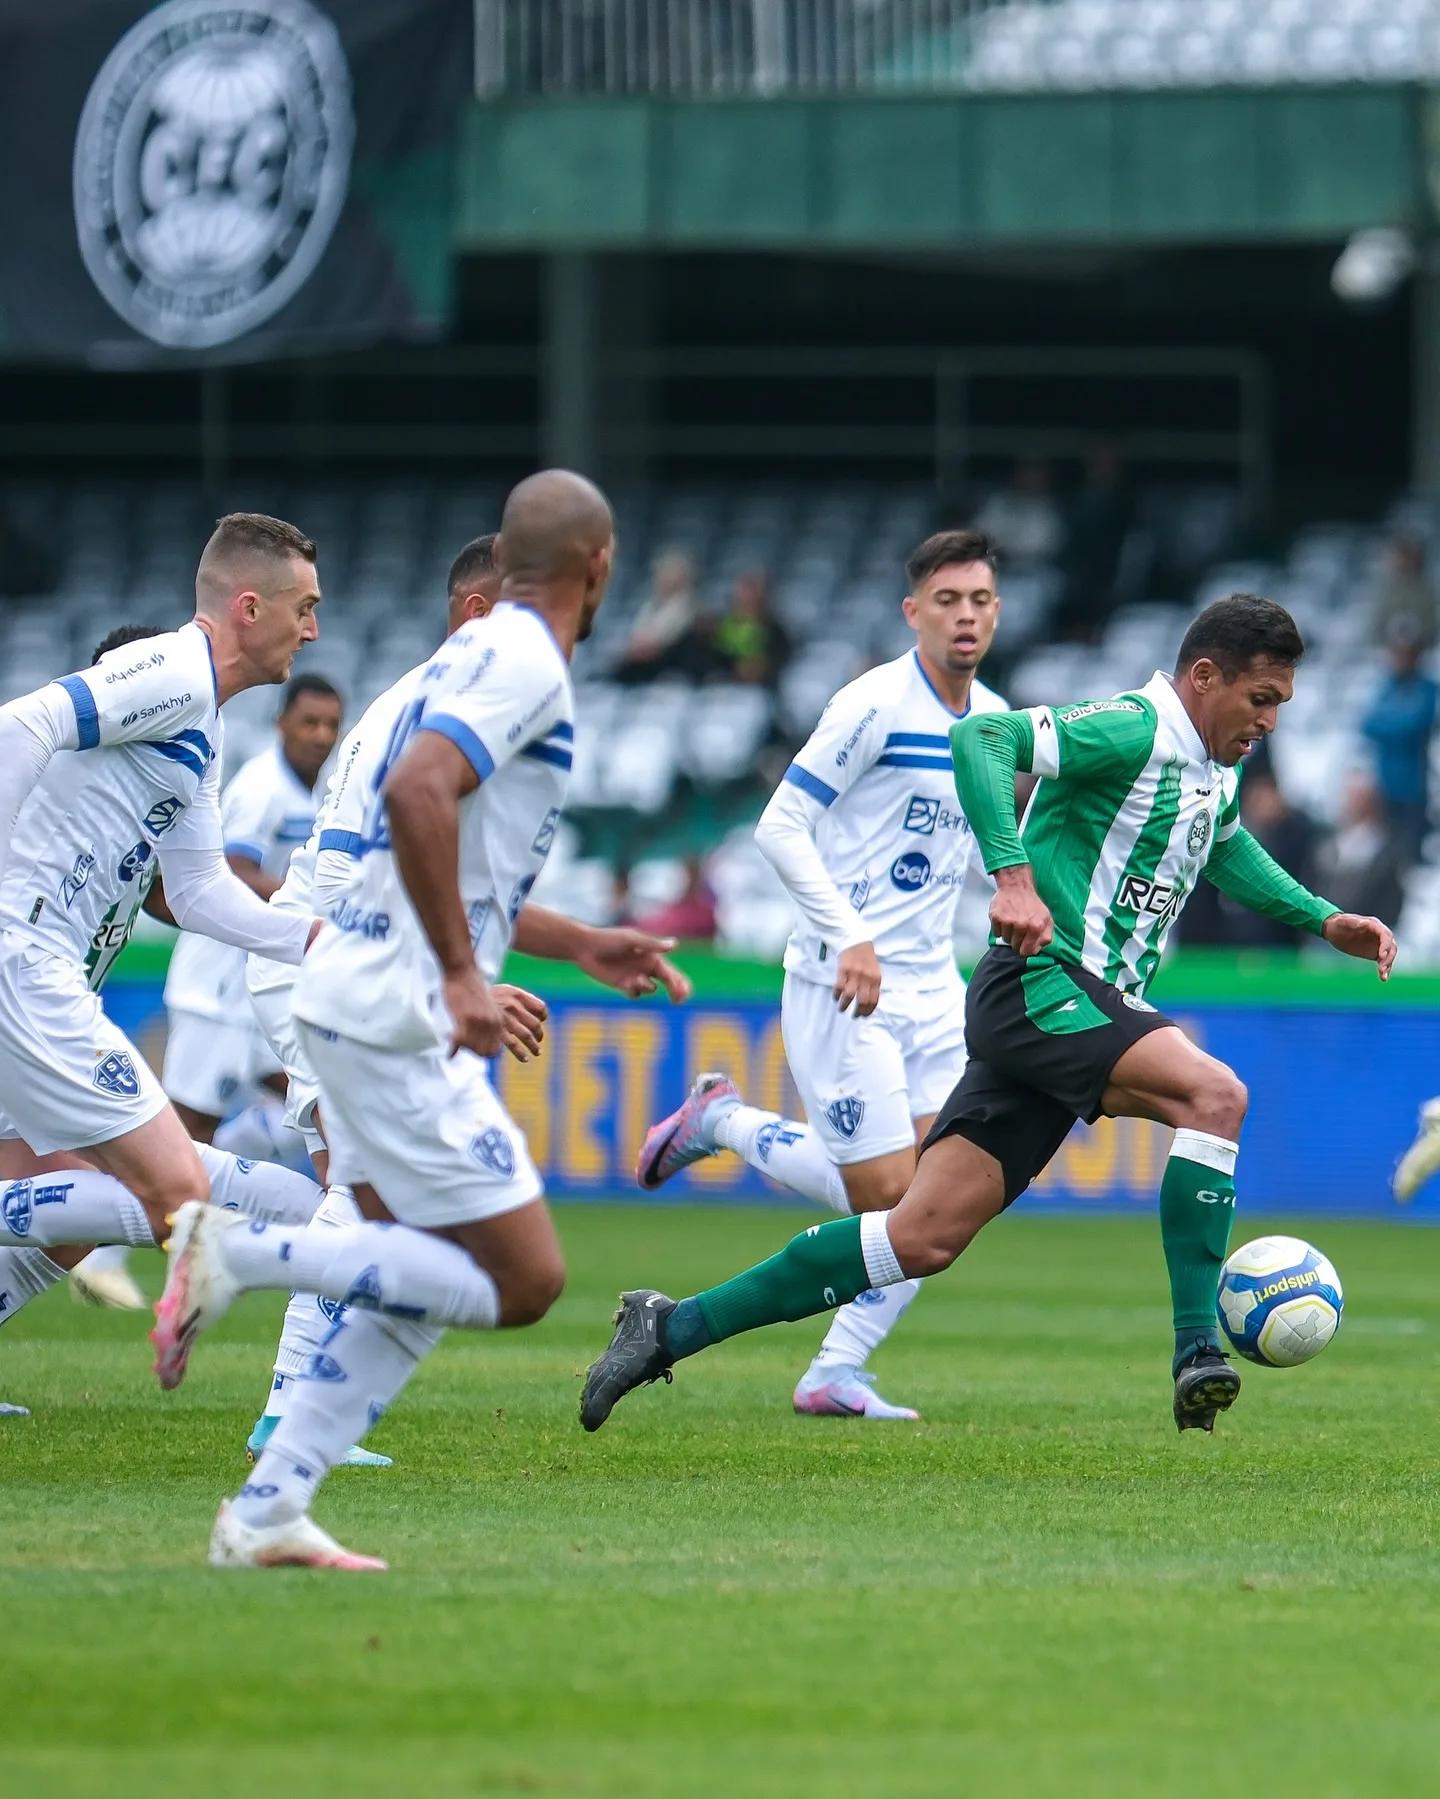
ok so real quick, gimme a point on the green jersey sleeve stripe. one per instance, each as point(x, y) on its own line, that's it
point(988, 748)
point(1242, 868)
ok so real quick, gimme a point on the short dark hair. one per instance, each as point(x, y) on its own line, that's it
point(945, 547)
point(1234, 631)
point(302, 684)
point(123, 634)
point(252, 531)
point(474, 561)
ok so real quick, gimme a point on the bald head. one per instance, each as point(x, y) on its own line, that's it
point(248, 551)
point(554, 526)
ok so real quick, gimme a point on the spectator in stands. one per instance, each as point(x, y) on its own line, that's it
point(692, 916)
point(1406, 593)
point(1099, 520)
point(1399, 723)
point(748, 643)
point(1291, 837)
point(664, 640)
point(1363, 860)
point(1023, 518)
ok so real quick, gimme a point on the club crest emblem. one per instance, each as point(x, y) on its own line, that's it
point(211, 165)
point(116, 1074)
point(1199, 834)
point(16, 1208)
point(845, 1115)
point(492, 1149)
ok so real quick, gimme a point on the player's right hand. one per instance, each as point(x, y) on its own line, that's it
point(478, 1024)
point(525, 1016)
point(1018, 914)
point(857, 979)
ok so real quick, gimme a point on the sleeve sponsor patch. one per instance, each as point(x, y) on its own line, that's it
point(1069, 715)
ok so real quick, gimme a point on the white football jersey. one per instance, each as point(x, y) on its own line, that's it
point(341, 818)
point(893, 838)
point(144, 774)
point(500, 690)
point(266, 813)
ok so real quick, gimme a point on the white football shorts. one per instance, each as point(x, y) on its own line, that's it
point(281, 1034)
point(425, 1129)
point(864, 1081)
point(69, 1077)
point(207, 1062)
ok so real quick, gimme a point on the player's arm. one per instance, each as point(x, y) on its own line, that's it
point(33, 729)
point(204, 894)
point(1244, 869)
point(422, 802)
point(246, 811)
point(632, 962)
point(847, 741)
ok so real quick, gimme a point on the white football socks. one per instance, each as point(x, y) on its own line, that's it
point(786, 1150)
point(307, 1319)
point(81, 1205)
point(366, 1360)
point(259, 1189)
point(862, 1326)
point(74, 1205)
point(380, 1267)
point(24, 1275)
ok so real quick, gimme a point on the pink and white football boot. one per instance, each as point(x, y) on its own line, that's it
point(688, 1135)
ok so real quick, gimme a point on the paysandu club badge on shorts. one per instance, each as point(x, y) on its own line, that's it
point(211, 165)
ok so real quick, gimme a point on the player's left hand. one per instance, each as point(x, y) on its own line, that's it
point(525, 1016)
point(1367, 938)
point(633, 963)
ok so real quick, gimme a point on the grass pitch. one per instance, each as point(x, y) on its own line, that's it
point(1041, 1589)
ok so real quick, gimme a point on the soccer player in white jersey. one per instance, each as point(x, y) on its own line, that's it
point(397, 1011)
point(214, 1051)
point(628, 960)
point(103, 773)
point(867, 836)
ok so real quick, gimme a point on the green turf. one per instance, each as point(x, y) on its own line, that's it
point(1039, 1590)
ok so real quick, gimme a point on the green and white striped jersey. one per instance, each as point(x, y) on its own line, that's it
point(1126, 814)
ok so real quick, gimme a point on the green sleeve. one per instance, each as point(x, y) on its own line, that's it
point(1240, 867)
point(988, 749)
point(1095, 740)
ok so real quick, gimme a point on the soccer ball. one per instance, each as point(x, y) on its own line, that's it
point(1280, 1301)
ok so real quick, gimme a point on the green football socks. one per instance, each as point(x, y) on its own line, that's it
point(1197, 1204)
point(820, 1269)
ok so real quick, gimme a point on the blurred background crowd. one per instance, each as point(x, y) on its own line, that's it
point(1147, 290)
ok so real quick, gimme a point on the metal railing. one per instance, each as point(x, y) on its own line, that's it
point(696, 48)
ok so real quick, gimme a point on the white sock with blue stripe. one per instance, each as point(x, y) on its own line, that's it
point(788, 1151)
point(858, 1329)
point(308, 1320)
point(352, 1379)
point(378, 1267)
point(24, 1275)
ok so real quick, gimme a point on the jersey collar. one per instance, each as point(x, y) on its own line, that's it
point(931, 685)
point(1161, 690)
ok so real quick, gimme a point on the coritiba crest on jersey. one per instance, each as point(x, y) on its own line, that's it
point(1199, 834)
point(211, 164)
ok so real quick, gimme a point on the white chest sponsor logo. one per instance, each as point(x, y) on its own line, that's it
point(211, 164)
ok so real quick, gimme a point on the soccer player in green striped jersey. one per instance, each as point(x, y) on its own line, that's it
point(1137, 798)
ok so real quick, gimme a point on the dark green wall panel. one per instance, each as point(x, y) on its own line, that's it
point(738, 172)
point(893, 173)
point(934, 173)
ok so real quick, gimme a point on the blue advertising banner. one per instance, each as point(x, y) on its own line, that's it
point(1333, 1099)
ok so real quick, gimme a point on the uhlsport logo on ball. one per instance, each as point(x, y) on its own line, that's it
point(211, 165)
point(1280, 1301)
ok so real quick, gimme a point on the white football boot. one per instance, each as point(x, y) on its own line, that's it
point(845, 1393)
point(102, 1279)
point(199, 1289)
point(1422, 1159)
point(300, 1543)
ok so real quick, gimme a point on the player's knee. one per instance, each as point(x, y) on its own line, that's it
point(527, 1296)
point(1220, 1103)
